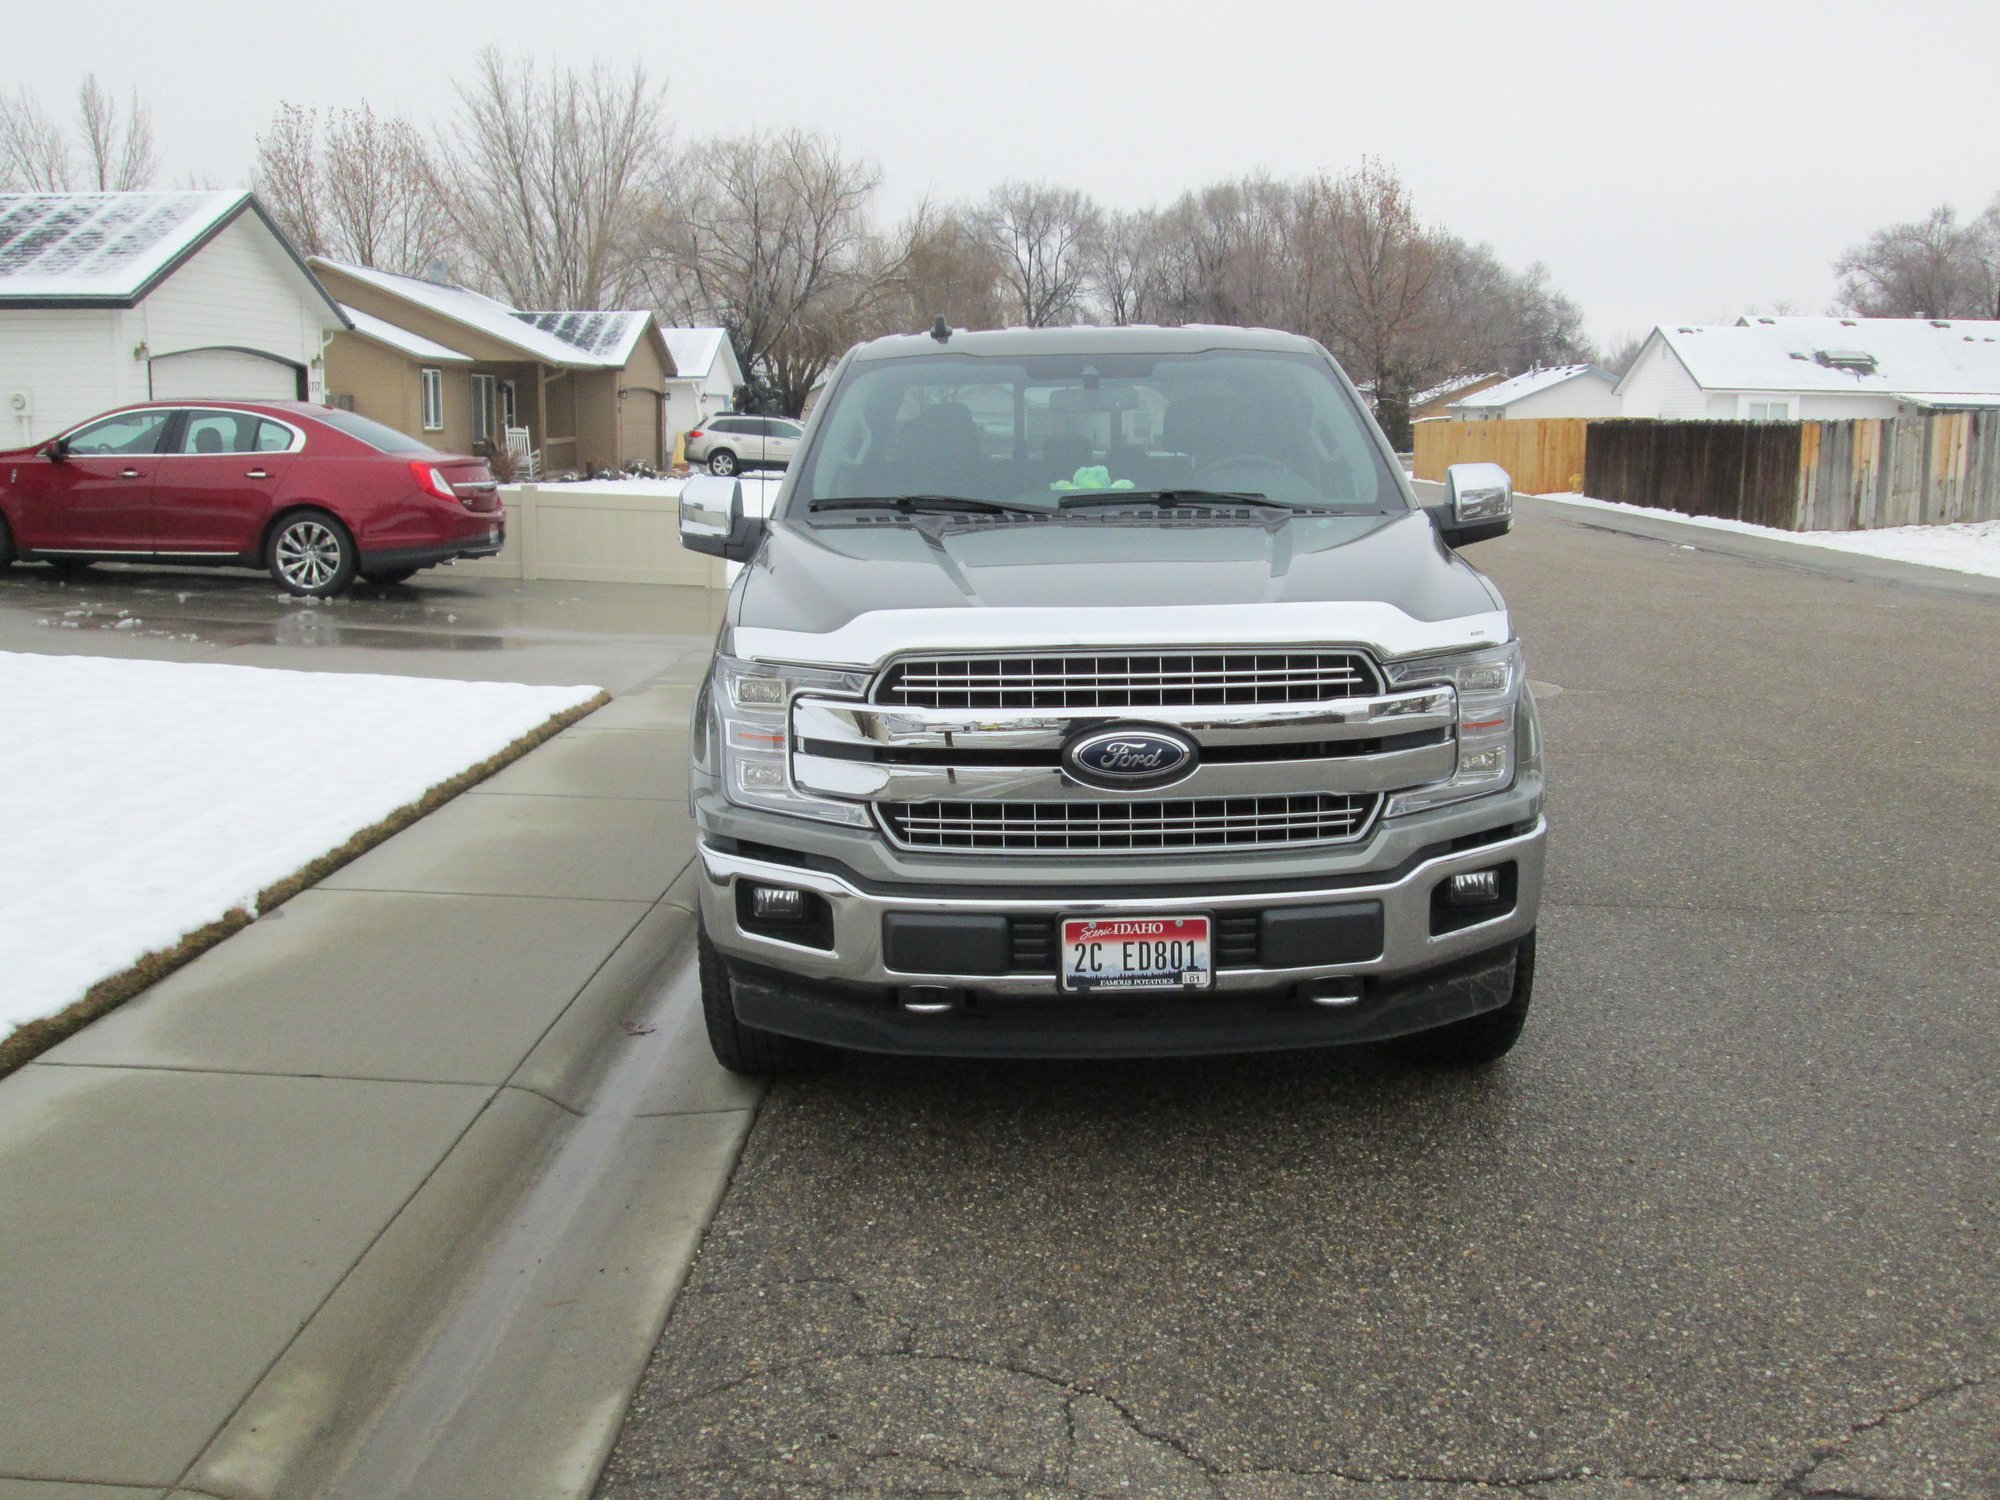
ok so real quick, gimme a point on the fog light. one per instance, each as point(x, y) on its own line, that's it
point(777, 903)
point(1474, 888)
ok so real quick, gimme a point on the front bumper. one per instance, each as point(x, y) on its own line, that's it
point(846, 991)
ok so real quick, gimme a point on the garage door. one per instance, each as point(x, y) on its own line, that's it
point(223, 375)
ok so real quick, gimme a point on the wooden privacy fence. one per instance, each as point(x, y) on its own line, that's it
point(1542, 455)
point(1806, 476)
point(1926, 469)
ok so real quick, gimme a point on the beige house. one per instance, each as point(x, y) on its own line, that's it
point(457, 369)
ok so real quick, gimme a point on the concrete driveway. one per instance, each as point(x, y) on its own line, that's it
point(1723, 1226)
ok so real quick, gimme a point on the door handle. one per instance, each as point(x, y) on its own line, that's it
point(128, 473)
point(256, 474)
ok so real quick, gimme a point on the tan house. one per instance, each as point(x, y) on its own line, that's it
point(458, 369)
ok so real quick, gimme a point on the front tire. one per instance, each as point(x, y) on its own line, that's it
point(1480, 1040)
point(6, 546)
point(310, 555)
point(747, 1050)
point(722, 462)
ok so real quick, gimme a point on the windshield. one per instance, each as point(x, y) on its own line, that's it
point(375, 434)
point(1242, 426)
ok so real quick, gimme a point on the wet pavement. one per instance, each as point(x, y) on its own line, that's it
point(436, 625)
point(1724, 1225)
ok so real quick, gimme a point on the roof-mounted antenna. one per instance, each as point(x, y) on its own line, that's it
point(941, 330)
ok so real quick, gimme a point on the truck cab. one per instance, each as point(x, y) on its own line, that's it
point(1107, 692)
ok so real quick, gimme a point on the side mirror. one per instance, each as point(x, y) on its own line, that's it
point(1478, 504)
point(59, 451)
point(712, 518)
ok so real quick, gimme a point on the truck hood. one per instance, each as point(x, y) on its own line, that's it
point(857, 589)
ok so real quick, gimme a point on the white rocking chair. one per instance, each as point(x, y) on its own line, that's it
point(527, 460)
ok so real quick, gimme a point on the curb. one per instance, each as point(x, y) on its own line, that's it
point(404, 1346)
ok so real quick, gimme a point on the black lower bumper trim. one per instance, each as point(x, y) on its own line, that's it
point(866, 1019)
point(430, 556)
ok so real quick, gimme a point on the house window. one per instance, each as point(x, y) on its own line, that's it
point(482, 408)
point(1768, 411)
point(433, 400)
point(509, 404)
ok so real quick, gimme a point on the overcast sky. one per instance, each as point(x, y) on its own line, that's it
point(1677, 160)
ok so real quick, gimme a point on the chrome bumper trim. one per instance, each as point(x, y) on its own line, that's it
point(856, 955)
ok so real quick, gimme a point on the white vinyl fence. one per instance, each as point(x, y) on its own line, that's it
point(615, 531)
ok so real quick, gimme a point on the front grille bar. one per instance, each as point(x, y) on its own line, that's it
point(1128, 680)
point(1188, 824)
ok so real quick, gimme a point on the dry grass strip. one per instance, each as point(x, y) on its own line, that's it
point(36, 1037)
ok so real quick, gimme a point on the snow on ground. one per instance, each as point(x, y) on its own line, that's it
point(146, 799)
point(1965, 547)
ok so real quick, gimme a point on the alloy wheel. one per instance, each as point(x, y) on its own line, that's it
point(308, 554)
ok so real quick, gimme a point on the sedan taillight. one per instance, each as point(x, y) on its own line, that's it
point(430, 479)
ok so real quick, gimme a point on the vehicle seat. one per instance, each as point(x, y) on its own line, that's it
point(208, 440)
point(1063, 456)
point(937, 451)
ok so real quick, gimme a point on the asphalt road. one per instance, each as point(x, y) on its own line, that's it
point(1723, 1225)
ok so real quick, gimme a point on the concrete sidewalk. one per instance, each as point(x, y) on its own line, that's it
point(235, 1213)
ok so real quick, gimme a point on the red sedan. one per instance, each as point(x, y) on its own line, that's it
point(315, 495)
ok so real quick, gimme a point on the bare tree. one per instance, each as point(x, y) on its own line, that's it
point(288, 179)
point(118, 154)
point(1044, 237)
point(1117, 266)
point(1380, 264)
point(34, 154)
point(1933, 267)
point(771, 240)
point(355, 187)
point(947, 270)
point(549, 175)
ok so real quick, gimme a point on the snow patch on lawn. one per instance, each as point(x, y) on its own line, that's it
point(1962, 547)
point(147, 799)
point(759, 489)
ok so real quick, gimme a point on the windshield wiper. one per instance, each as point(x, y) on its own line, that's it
point(1172, 497)
point(912, 504)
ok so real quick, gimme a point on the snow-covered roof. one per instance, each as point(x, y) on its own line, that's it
point(413, 344)
point(1509, 391)
point(1448, 387)
point(694, 349)
point(476, 311)
point(609, 336)
point(1942, 359)
point(85, 249)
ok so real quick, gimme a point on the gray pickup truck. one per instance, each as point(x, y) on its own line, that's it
point(1107, 692)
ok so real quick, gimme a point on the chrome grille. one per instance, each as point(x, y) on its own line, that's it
point(1128, 681)
point(1089, 827)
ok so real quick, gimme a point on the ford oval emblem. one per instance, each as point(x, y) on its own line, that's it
point(1130, 756)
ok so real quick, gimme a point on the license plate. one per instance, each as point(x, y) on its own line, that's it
point(1136, 953)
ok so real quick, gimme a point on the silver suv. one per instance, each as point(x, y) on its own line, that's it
point(729, 444)
point(1108, 692)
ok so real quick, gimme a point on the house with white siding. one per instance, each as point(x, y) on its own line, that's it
point(109, 298)
point(1557, 391)
point(1785, 369)
point(708, 374)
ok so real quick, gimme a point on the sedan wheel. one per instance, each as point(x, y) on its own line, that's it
point(311, 555)
point(722, 462)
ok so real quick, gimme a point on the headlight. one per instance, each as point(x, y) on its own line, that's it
point(753, 701)
point(1489, 691)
